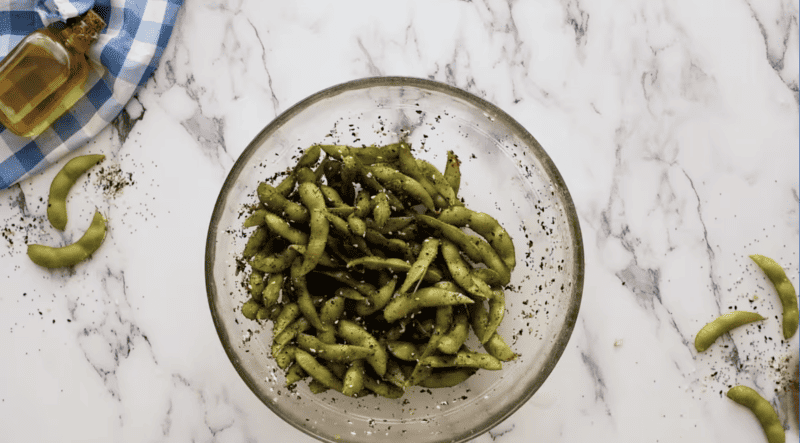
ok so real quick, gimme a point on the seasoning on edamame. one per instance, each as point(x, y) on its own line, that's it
point(75, 253)
point(763, 411)
point(785, 290)
point(721, 325)
point(349, 226)
point(62, 183)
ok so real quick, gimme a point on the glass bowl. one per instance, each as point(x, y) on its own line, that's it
point(505, 173)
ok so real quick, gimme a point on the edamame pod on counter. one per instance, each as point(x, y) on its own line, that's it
point(61, 185)
point(75, 253)
point(721, 325)
point(763, 411)
point(785, 290)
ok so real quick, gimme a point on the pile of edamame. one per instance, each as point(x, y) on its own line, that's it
point(744, 395)
point(69, 255)
point(360, 259)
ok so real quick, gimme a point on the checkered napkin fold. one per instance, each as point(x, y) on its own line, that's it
point(124, 57)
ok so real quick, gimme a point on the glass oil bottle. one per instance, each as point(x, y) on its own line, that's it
point(45, 75)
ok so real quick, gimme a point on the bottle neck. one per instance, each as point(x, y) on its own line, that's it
point(80, 35)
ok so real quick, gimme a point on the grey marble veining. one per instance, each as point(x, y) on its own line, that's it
point(674, 125)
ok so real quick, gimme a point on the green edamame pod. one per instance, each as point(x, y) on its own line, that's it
point(353, 381)
point(310, 157)
point(785, 291)
point(319, 372)
point(333, 351)
point(380, 300)
point(428, 297)
point(495, 346)
point(272, 289)
point(317, 387)
point(287, 316)
point(464, 359)
point(255, 219)
point(278, 204)
point(286, 186)
point(447, 378)
point(452, 171)
point(61, 185)
point(304, 300)
point(324, 258)
point(342, 277)
point(440, 183)
point(721, 325)
point(75, 253)
point(477, 249)
point(312, 198)
point(400, 183)
point(250, 309)
point(430, 248)
point(362, 204)
point(381, 209)
point(497, 310)
point(284, 356)
point(283, 229)
point(329, 314)
point(383, 389)
point(460, 271)
point(257, 284)
point(357, 225)
point(274, 263)
point(452, 341)
point(405, 350)
point(350, 293)
point(354, 333)
point(288, 334)
point(487, 227)
point(255, 241)
point(294, 374)
point(408, 166)
point(763, 411)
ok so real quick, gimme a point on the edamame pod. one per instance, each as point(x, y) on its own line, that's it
point(257, 284)
point(763, 411)
point(452, 341)
point(283, 229)
point(278, 204)
point(61, 185)
point(304, 301)
point(75, 253)
point(405, 350)
point(274, 263)
point(380, 300)
point(460, 271)
point(495, 346)
point(324, 258)
point(497, 310)
point(400, 183)
point(383, 389)
point(430, 248)
point(487, 227)
point(710, 332)
point(357, 225)
point(353, 381)
point(395, 265)
point(477, 249)
point(464, 359)
point(332, 351)
point(254, 243)
point(255, 219)
point(447, 378)
point(381, 209)
point(317, 371)
point(330, 312)
point(408, 166)
point(785, 290)
point(287, 316)
point(452, 171)
point(428, 297)
point(272, 289)
point(294, 374)
point(310, 157)
point(440, 184)
point(342, 277)
point(250, 309)
point(354, 333)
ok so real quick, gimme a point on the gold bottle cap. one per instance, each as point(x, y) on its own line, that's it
point(83, 33)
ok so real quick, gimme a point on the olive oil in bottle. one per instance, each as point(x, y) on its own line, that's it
point(45, 75)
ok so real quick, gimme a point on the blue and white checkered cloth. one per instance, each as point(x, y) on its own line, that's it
point(125, 55)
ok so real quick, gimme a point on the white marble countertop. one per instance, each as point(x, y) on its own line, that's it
point(674, 125)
